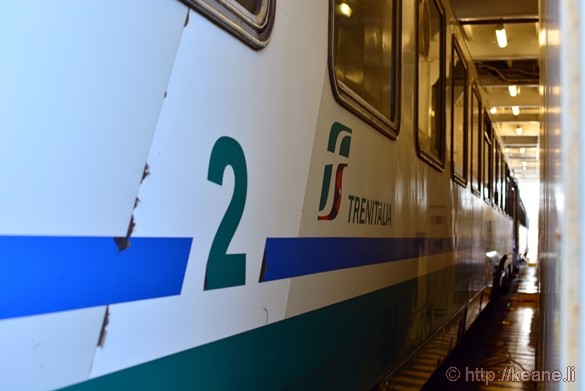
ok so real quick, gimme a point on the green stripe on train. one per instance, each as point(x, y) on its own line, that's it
point(345, 346)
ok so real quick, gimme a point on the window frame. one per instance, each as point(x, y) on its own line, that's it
point(496, 173)
point(351, 100)
point(437, 162)
point(462, 178)
point(508, 199)
point(488, 153)
point(502, 178)
point(476, 137)
point(254, 29)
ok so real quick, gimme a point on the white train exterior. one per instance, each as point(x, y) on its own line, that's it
point(206, 195)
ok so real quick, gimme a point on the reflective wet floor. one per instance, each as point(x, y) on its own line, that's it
point(512, 353)
point(497, 352)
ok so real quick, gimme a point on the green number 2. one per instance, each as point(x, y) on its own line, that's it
point(226, 270)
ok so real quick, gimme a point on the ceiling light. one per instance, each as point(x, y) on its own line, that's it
point(494, 110)
point(522, 150)
point(501, 35)
point(515, 110)
point(513, 90)
point(506, 150)
point(344, 9)
point(518, 130)
point(524, 164)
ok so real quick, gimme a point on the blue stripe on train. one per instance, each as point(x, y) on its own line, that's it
point(48, 274)
point(293, 257)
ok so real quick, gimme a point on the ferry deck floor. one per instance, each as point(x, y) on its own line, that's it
point(498, 347)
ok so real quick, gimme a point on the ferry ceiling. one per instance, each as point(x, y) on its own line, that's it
point(508, 72)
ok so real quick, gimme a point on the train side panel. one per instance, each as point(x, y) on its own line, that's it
point(222, 95)
point(206, 215)
point(77, 121)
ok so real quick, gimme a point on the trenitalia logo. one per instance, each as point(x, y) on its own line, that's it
point(339, 140)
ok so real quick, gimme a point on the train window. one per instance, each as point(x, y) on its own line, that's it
point(508, 200)
point(364, 60)
point(430, 108)
point(503, 185)
point(252, 6)
point(476, 141)
point(496, 175)
point(459, 115)
point(502, 180)
point(250, 21)
point(488, 156)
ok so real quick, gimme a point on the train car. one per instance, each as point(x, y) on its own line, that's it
point(250, 194)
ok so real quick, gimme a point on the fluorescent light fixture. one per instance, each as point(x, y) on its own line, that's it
point(491, 254)
point(518, 130)
point(515, 110)
point(513, 90)
point(344, 9)
point(522, 151)
point(494, 110)
point(501, 35)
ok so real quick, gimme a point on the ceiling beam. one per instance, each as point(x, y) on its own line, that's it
point(527, 19)
point(520, 140)
point(494, 9)
point(516, 119)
